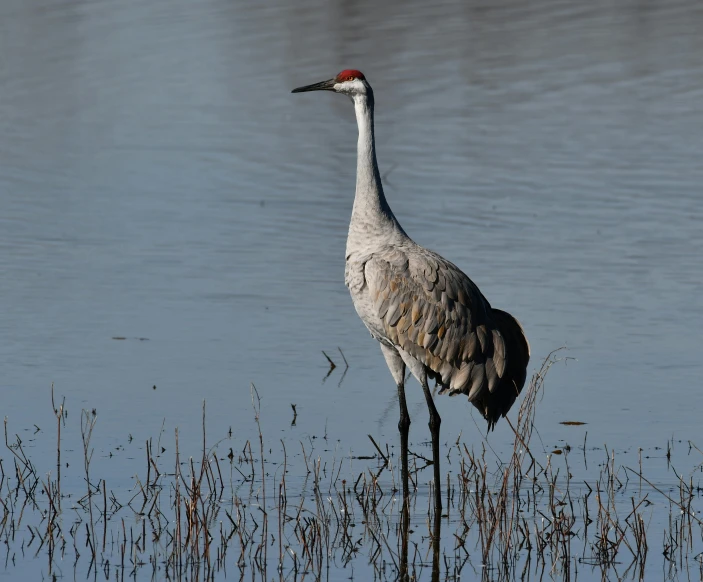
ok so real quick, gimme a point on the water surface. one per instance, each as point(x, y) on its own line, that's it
point(159, 183)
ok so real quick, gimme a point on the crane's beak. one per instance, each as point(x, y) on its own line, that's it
point(323, 86)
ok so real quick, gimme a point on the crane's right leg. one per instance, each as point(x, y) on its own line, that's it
point(397, 368)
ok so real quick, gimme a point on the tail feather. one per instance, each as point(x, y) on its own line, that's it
point(497, 403)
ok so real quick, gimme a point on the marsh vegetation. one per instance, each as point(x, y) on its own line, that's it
point(252, 507)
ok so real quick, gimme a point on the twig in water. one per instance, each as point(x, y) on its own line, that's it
point(332, 366)
point(346, 368)
point(380, 452)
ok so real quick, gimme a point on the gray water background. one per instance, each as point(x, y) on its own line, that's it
point(159, 181)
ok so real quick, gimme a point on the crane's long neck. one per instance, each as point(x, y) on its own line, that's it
point(372, 219)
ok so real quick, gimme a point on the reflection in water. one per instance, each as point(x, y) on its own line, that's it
point(404, 536)
point(435, 543)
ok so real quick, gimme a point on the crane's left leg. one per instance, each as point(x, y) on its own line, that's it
point(397, 368)
point(418, 370)
point(435, 422)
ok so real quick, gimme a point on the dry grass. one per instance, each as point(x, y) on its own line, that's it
point(243, 515)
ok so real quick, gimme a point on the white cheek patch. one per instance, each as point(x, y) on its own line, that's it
point(348, 87)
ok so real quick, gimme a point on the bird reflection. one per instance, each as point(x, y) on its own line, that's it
point(435, 541)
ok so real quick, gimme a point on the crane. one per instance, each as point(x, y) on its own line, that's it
point(426, 313)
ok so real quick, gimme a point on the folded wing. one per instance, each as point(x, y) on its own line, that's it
point(433, 311)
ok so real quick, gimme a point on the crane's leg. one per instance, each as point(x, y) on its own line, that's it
point(435, 422)
point(397, 368)
point(404, 428)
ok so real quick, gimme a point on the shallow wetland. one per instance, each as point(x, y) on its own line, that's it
point(261, 509)
point(172, 230)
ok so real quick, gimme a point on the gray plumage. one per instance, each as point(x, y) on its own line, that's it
point(426, 313)
point(427, 309)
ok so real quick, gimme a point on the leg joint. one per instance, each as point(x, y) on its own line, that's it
point(404, 422)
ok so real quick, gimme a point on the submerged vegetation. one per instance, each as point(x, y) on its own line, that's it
point(262, 510)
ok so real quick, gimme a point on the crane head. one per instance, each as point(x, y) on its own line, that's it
point(350, 82)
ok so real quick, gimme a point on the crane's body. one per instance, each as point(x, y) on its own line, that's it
point(426, 313)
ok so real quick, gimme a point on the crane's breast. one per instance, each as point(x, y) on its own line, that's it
point(355, 280)
point(354, 277)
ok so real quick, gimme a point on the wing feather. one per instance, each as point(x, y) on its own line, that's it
point(434, 312)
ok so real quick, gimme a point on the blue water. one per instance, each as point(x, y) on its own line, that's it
point(159, 183)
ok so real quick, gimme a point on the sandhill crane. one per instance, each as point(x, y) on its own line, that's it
point(425, 312)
